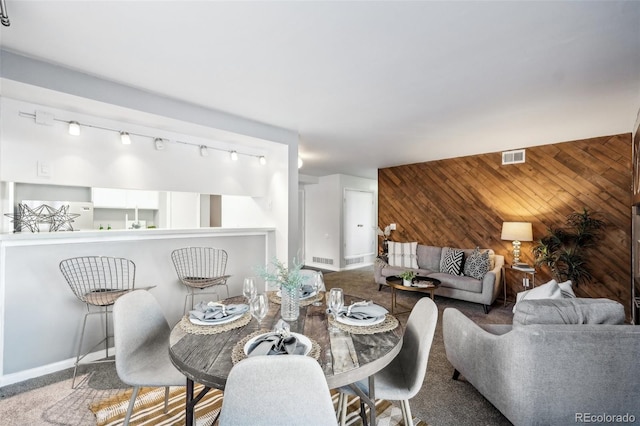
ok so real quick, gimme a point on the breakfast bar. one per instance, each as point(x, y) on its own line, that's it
point(41, 321)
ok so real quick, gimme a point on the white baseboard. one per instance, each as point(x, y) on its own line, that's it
point(32, 373)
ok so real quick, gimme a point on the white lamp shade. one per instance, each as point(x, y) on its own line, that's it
point(517, 231)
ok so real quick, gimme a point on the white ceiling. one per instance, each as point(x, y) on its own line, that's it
point(365, 84)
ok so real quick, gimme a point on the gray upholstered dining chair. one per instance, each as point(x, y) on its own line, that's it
point(199, 268)
point(277, 390)
point(98, 281)
point(141, 336)
point(402, 378)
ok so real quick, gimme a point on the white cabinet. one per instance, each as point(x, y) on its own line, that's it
point(110, 198)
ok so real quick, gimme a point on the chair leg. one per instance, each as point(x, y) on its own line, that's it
point(75, 368)
point(339, 406)
point(406, 412)
point(166, 399)
point(132, 402)
point(486, 308)
point(343, 410)
point(456, 374)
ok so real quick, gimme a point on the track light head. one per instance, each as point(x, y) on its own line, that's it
point(300, 162)
point(234, 156)
point(262, 160)
point(204, 151)
point(159, 144)
point(125, 138)
point(74, 128)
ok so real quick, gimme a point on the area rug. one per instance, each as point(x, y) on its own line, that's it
point(149, 409)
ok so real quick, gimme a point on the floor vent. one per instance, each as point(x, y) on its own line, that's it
point(354, 260)
point(513, 157)
point(323, 260)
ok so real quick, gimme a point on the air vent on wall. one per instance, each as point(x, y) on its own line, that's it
point(354, 260)
point(322, 260)
point(513, 157)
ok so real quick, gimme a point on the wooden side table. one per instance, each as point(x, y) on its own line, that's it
point(529, 279)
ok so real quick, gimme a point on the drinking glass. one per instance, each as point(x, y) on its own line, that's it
point(249, 288)
point(259, 307)
point(336, 301)
point(318, 280)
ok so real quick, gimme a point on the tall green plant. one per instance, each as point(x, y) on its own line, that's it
point(565, 250)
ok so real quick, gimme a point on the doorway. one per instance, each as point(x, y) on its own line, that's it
point(359, 232)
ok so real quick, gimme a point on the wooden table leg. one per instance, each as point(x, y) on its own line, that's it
point(188, 420)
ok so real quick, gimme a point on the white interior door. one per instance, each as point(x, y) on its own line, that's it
point(359, 236)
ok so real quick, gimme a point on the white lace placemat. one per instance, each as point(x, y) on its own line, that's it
point(191, 328)
point(273, 297)
point(390, 323)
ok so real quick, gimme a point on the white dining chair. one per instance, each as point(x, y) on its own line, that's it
point(277, 390)
point(141, 336)
point(402, 378)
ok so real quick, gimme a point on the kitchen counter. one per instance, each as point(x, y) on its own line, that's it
point(41, 321)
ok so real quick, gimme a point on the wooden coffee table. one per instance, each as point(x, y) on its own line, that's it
point(425, 285)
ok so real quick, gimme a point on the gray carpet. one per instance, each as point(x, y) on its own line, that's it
point(49, 400)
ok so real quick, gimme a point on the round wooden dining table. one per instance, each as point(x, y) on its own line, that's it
point(345, 357)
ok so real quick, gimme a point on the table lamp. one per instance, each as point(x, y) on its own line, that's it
point(517, 232)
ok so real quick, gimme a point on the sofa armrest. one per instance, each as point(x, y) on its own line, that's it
point(493, 279)
point(378, 266)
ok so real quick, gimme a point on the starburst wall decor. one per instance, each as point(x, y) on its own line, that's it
point(31, 218)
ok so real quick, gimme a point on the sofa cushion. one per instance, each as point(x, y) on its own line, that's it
point(548, 290)
point(403, 254)
point(458, 282)
point(568, 311)
point(451, 261)
point(429, 257)
point(477, 265)
point(566, 289)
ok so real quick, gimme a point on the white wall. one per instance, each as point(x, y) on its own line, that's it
point(324, 217)
point(239, 212)
point(33, 80)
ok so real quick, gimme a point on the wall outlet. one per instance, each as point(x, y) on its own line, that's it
point(392, 226)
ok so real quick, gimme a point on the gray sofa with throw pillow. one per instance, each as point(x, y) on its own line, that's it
point(562, 361)
point(472, 275)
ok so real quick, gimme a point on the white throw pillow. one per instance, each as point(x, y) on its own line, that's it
point(548, 290)
point(567, 289)
point(403, 254)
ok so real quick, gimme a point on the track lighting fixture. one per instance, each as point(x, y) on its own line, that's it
point(74, 128)
point(125, 138)
point(300, 162)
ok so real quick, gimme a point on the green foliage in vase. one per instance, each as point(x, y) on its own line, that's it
point(277, 272)
point(565, 250)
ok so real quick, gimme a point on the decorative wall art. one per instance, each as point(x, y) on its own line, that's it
point(31, 218)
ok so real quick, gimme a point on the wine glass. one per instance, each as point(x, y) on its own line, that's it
point(259, 306)
point(317, 285)
point(249, 288)
point(336, 301)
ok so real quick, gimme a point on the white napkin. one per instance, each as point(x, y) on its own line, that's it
point(213, 312)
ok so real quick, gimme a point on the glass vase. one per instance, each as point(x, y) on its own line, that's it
point(290, 303)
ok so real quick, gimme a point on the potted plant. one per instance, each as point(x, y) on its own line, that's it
point(289, 280)
point(385, 237)
point(407, 278)
point(565, 250)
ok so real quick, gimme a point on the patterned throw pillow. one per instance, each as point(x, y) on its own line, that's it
point(403, 254)
point(477, 265)
point(451, 261)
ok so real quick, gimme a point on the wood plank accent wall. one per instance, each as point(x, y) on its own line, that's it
point(462, 202)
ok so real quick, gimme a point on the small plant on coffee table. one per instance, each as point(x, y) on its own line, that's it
point(408, 276)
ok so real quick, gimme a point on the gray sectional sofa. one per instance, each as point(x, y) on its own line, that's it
point(561, 362)
point(460, 287)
